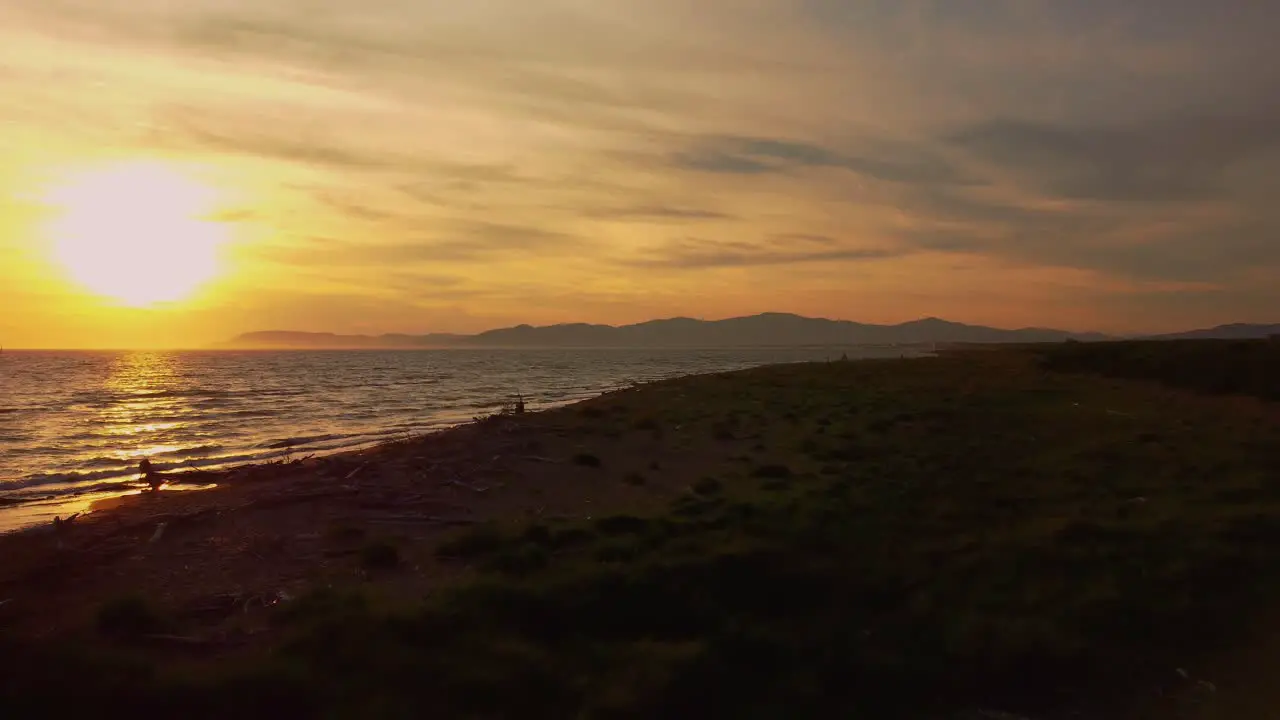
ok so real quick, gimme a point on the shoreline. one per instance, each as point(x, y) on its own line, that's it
point(67, 451)
point(20, 515)
point(279, 499)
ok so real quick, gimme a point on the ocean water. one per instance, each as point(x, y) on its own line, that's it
point(74, 425)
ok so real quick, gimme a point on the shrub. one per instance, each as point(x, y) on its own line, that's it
point(128, 618)
point(707, 486)
point(473, 543)
point(622, 524)
point(379, 555)
point(587, 460)
point(774, 472)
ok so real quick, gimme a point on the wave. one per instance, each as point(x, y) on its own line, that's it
point(194, 451)
point(64, 478)
point(293, 442)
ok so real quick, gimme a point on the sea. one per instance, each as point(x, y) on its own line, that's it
point(74, 425)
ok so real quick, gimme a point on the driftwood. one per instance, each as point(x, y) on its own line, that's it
point(535, 458)
point(179, 640)
point(60, 524)
point(424, 519)
point(289, 499)
point(466, 486)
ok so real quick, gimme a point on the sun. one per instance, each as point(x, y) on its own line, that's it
point(139, 233)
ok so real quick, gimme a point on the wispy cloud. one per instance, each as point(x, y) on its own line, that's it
point(694, 254)
point(1171, 159)
point(748, 156)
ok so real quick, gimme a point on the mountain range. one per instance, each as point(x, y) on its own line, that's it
point(776, 329)
point(767, 329)
point(1235, 331)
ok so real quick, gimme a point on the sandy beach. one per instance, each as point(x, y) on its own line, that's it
point(252, 533)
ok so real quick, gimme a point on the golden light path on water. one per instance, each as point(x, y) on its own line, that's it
point(145, 380)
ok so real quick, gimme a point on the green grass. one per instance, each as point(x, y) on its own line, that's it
point(918, 539)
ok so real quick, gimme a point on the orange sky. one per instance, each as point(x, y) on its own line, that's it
point(431, 166)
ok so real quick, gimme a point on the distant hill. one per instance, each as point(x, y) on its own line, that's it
point(1237, 331)
point(768, 329)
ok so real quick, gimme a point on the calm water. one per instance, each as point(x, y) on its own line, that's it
point(75, 424)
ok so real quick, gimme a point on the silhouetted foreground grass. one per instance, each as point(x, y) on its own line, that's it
point(883, 539)
point(1246, 367)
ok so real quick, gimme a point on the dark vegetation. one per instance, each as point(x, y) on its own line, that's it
point(380, 555)
point(1230, 367)
point(1002, 531)
point(129, 618)
point(587, 460)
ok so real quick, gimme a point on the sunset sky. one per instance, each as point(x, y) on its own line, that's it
point(448, 166)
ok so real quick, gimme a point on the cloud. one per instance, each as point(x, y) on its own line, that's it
point(449, 241)
point(245, 139)
point(753, 155)
point(1207, 241)
point(696, 254)
point(657, 213)
point(1175, 159)
point(473, 241)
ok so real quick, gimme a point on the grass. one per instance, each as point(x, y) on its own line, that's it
point(773, 472)
point(1024, 531)
point(1229, 367)
point(379, 555)
point(129, 618)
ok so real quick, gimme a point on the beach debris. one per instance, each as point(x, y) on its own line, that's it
point(538, 459)
point(466, 486)
point(425, 519)
point(178, 639)
point(1000, 715)
point(154, 478)
point(60, 525)
point(355, 472)
point(155, 537)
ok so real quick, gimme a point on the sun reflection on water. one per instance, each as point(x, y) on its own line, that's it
point(147, 381)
